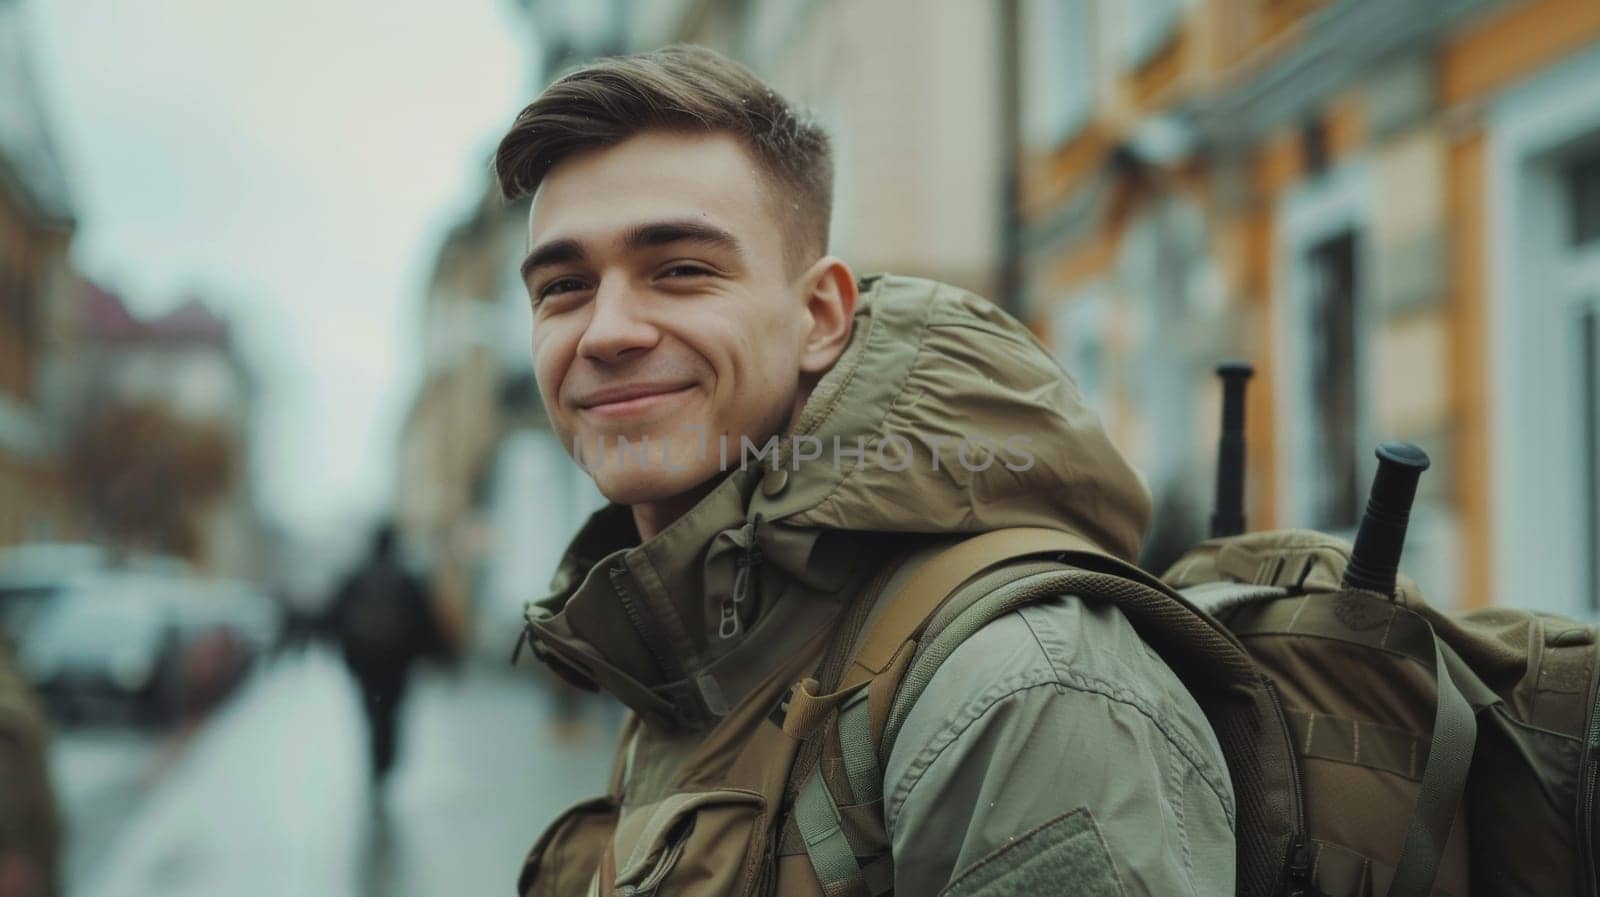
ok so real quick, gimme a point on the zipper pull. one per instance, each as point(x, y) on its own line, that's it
point(745, 582)
point(1300, 883)
point(728, 624)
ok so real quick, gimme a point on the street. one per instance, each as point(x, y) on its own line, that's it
point(270, 795)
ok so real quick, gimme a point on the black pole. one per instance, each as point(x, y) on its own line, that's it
point(1010, 286)
point(1375, 561)
point(1228, 517)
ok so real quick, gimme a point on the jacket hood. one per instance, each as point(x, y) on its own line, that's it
point(943, 416)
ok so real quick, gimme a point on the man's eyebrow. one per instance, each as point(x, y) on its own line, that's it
point(556, 252)
point(681, 230)
point(643, 236)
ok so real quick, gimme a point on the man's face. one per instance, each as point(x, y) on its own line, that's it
point(662, 312)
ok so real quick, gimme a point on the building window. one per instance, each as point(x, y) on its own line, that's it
point(1583, 186)
point(1320, 341)
point(1331, 316)
point(1058, 74)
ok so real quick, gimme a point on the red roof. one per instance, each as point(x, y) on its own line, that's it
point(106, 317)
point(190, 322)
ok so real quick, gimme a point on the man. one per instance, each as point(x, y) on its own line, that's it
point(384, 624)
point(782, 444)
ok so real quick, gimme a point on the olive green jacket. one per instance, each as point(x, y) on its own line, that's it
point(1052, 751)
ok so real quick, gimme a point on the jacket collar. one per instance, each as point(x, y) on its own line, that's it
point(682, 625)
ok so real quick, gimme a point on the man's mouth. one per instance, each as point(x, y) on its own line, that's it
point(626, 401)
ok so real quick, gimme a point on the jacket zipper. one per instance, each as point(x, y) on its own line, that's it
point(641, 628)
point(745, 584)
point(1297, 869)
point(768, 884)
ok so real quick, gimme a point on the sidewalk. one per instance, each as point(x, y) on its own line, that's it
point(272, 796)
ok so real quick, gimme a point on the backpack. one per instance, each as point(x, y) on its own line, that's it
point(378, 616)
point(1376, 745)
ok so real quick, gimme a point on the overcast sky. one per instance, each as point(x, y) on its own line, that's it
point(298, 161)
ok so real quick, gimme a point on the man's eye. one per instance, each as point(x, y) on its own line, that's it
point(680, 271)
point(560, 285)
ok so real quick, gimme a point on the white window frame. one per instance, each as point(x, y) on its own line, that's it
point(1058, 95)
point(1535, 512)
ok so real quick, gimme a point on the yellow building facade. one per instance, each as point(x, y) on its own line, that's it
point(37, 300)
point(1390, 209)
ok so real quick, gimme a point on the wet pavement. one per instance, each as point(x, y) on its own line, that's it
point(270, 795)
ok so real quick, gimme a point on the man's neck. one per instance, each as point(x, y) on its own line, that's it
point(654, 516)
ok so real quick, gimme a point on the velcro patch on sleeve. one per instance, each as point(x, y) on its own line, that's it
point(1065, 855)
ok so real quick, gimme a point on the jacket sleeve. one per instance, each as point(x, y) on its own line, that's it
point(1054, 753)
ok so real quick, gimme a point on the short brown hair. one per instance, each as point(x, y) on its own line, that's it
point(685, 89)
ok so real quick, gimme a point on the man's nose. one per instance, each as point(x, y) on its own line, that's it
point(615, 328)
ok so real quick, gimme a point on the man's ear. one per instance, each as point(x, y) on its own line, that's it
point(830, 303)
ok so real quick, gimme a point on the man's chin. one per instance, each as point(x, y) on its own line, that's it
point(637, 487)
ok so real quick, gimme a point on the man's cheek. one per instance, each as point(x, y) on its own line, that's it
point(548, 368)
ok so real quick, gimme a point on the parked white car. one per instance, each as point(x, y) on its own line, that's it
point(30, 574)
point(121, 646)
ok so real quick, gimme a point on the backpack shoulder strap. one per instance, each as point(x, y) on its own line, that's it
point(839, 819)
point(970, 610)
point(926, 589)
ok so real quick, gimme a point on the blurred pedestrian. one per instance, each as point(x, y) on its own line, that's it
point(384, 621)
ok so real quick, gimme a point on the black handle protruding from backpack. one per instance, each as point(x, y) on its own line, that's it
point(1375, 562)
point(1228, 517)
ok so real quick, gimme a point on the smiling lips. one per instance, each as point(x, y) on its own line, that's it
point(627, 401)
